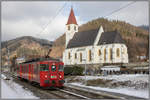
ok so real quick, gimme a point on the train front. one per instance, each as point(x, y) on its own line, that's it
point(51, 74)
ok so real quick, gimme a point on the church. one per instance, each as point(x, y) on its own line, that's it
point(93, 46)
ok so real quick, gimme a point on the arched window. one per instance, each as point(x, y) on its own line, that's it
point(80, 57)
point(68, 27)
point(110, 54)
point(75, 28)
point(104, 54)
point(118, 52)
point(99, 52)
point(75, 56)
point(68, 55)
point(90, 56)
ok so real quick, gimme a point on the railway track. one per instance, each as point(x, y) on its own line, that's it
point(70, 92)
point(99, 94)
point(90, 94)
point(47, 93)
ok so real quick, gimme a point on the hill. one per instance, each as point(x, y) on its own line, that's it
point(136, 38)
point(144, 27)
point(26, 46)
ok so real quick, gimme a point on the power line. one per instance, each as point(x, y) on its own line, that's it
point(119, 9)
point(52, 19)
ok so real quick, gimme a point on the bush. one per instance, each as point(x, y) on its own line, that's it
point(77, 70)
point(73, 70)
point(68, 70)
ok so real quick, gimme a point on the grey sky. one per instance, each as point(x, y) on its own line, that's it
point(29, 18)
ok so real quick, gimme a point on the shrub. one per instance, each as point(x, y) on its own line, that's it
point(77, 70)
point(73, 70)
point(68, 70)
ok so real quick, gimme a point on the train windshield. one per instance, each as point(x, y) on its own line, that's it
point(61, 67)
point(53, 68)
point(44, 67)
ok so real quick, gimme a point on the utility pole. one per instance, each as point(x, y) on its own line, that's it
point(85, 71)
point(85, 66)
point(8, 60)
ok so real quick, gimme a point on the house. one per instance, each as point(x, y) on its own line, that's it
point(93, 46)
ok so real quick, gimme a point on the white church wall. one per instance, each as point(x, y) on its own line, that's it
point(95, 58)
point(83, 51)
point(70, 33)
point(123, 57)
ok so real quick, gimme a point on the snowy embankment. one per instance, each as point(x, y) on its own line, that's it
point(12, 90)
point(133, 85)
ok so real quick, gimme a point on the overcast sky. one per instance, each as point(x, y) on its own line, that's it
point(30, 18)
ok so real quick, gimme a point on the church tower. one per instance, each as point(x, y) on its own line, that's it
point(71, 27)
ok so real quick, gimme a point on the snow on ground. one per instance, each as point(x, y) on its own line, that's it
point(3, 76)
point(12, 90)
point(132, 80)
point(127, 91)
point(137, 84)
point(123, 77)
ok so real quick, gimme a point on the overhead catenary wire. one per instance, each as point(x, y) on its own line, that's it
point(52, 19)
point(117, 10)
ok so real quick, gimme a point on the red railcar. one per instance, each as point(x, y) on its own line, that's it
point(46, 72)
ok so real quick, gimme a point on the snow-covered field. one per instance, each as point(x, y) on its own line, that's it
point(136, 85)
point(12, 90)
point(123, 77)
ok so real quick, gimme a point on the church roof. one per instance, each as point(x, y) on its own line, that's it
point(110, 37)
point(72, 19)
point(85, 38)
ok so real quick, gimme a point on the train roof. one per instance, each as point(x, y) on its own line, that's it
point(40, 59)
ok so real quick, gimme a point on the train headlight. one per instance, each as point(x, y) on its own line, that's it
point(60, 76)
point(45, 76)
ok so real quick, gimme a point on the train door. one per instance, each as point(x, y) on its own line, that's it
point(29, 73)
point(20, 70)
point(53, 73)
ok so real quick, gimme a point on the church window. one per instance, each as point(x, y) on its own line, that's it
point(80, 57)
point(90, 56)
point(75, 55)
point(68, 55)
point(118, 52)
point(104, 54)
point(68, 27)
point(75, 28)
point(99, 52)
point(110, 52)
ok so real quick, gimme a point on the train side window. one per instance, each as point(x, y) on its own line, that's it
point(44, 67)
point(53, 68)
point(60, 67)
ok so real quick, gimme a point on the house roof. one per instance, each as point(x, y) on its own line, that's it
point(72, 19)
point(87, 38)
point(84, 38)
point(110, 37)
